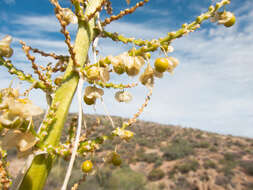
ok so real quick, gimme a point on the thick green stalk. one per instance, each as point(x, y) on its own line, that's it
point(36, 176)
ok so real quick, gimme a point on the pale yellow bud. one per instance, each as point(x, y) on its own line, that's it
point(118, 65)
point(93, 73)
point(5, 49)
point(68, 16)
point(147, 78)
point(123, 134)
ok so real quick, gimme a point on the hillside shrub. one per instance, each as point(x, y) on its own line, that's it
point(156, 174)
point(188, 165)
point(178, 149)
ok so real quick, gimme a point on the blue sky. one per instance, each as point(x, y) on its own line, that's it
point(212, 88)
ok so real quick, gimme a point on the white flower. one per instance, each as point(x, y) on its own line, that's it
point(68, 16)
point(123, 96)
point(147, 78)
point(133, 63)
point(23, 141)
point(98, 73)
point(5, 49)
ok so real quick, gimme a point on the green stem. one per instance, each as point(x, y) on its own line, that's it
point(36, 176)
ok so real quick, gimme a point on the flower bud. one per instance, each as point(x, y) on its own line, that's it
point(5, 49)
point(98, 73)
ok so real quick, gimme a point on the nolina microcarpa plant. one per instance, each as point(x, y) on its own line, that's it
point(41, 147)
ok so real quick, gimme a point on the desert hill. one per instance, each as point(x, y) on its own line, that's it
point(161, 157)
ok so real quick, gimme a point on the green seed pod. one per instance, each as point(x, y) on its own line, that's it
point(116, 160)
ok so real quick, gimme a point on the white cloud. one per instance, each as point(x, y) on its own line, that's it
point(9, 1)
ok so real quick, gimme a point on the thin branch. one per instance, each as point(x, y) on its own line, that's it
point(64, 31)
point(22, 76)
point(35, 67)
point(186, 28)
point(141, 109)
point(45, 54)
point(123, 13)
point(87, 18)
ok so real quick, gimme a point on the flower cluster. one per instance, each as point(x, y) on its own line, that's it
point(99, 73)
point(123, 134)
point(16, 116)
point(15, 111)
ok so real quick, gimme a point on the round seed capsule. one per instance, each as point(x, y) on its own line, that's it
point(231, 21)
point(87, 166)
point(116, 160)
point(161, 64)
point(89, 101)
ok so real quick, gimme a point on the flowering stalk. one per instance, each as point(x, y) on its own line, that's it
point(44, 146)
point(38, 172)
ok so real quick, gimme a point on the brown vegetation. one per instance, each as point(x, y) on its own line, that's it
point(162, 157)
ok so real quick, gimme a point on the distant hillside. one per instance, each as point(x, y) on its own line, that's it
point(162, 157)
